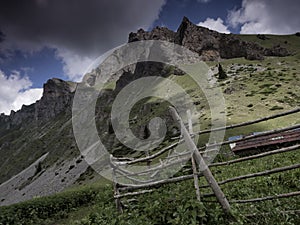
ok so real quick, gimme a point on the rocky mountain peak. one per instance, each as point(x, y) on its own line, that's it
point(158, 33)
point(210, 45)
point(181, 31)
point(56, 87)
point(186, 20)
point(57, 98)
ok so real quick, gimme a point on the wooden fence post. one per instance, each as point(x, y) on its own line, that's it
point(201, 163)
point(116, 189)
point(194, 166)
point(196, 181)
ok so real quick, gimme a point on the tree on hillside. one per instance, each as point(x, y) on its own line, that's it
point(221, 73)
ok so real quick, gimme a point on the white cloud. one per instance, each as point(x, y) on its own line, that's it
point(217, 25)
point(74, 65)
point(15, 91)
point(266, 16)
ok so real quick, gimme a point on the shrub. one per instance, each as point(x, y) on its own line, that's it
point(221, 73)
point(58, 206)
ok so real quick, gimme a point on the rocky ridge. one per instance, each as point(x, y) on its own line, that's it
point(210, 45)
point(57, 98)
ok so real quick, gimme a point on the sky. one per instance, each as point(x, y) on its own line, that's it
point(42, 39)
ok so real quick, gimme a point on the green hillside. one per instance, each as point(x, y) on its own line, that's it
point(253, 89)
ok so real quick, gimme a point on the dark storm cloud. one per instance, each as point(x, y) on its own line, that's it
point(2, 36)
point(86, 27)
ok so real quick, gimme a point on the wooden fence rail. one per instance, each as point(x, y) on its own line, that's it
point(276, 131)
point(257, 156)
point(198, 165)
point(251, 122)
point(258, 174)
point(285, 195)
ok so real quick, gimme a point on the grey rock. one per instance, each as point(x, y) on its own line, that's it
point(209, 44)
point(57, 98)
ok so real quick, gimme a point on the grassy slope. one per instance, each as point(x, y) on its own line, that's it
point(34, 142)
point(272, 88)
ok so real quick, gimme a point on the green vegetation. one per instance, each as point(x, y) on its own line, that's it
point(174, 203)
point(47, 209)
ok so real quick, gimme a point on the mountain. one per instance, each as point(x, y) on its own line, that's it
point(39, 155)
point(35, 132)
point(210, 44)
point(57, 97)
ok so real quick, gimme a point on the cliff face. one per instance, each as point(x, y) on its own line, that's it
point(57, 98)
point(209, 44)
point(42, 129)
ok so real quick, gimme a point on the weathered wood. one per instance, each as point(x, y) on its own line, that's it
point(132, 194)
point(194, 166)
point(145, 159)
point(247, 138)
point(285, 195)
point(265, 213)
point(123, 175)
point(264, 154)
point(116, 192)
point(151, 190)
point(123, 158)
point(256, 135)
point(190, 122)
point(263, 173)
point(187, 137)
point(196, 179)
point(153, 169)
point(244, 123)
point(178, 155)
point(201, 163)
point(131, 187)
point(251, 122)
point(148, 161)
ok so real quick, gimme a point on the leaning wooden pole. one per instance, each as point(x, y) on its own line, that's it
point(194, 166)
point(201, 163)
point(196, 179)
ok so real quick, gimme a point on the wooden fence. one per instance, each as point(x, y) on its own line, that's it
point(141, 182)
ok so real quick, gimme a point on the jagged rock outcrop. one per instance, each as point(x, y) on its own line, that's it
point(210, 44)
point(144, 69)
point(158, 33)
point(276, 51)
point(36, 129)
point(57, 98)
